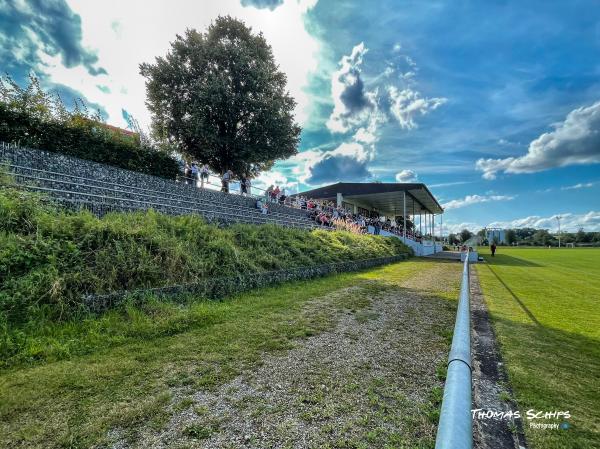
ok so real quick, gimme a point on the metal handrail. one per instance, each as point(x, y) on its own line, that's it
point(99, 181)
point(264, 219)
point(455, 429)
point(293, 200)
point(148, 192)
point(194, 204)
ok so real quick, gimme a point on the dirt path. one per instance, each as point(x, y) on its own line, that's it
point(370, 381)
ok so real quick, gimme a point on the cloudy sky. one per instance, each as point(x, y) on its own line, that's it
point(494, 105)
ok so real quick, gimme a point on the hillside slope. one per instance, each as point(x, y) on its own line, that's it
point(51, 258)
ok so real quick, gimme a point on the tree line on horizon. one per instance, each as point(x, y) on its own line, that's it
point(530, 236)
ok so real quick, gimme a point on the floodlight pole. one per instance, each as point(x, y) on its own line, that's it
point(404, 215)
point(558, 219)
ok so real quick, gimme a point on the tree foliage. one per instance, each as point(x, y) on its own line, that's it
point(221, 98)
point(34, 118)
point(465, 235)
point(510, 236)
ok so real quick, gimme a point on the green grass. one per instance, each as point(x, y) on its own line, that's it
point(135, 358)
point(50, 259)
point(545, 306)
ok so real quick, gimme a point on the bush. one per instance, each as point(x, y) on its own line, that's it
point(36, 119)
point(50, 258)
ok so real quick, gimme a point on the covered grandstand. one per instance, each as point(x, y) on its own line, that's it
point(398, 202)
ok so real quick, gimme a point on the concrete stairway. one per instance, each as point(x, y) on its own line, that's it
point(101, 196)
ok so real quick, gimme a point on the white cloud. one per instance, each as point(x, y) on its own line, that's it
point(581, 185)
point(455, 228)
point(355, 105)
point(125, 34)
point(275, 178)
point(569, 222)
point(351, 103)
point(406, 176)
point(347, 162)
point(474, 199)
point(407, 103)
point(573, 142)
point(364, 111)
point(448, 184)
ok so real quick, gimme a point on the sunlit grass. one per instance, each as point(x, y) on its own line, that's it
point(546, 313)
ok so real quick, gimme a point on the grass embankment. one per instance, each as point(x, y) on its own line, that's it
point(167, 352)
point(50, 258)
point(546, 312)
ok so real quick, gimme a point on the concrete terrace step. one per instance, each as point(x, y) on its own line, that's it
point(68, 185)
point(101, 188)
point(56, 164)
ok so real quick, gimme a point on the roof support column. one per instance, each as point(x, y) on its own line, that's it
point(412, 218)
point(404, 215)
point(433, 229)
point(339, 199)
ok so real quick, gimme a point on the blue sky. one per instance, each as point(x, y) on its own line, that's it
point(495, 105)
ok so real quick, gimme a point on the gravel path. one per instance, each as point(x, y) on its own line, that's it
point(367, 382)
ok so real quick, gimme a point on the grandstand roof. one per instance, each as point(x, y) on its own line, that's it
point(384, 197)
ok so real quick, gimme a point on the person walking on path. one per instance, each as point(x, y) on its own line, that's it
point(493, 249)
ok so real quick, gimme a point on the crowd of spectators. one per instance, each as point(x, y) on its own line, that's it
point(324, 213)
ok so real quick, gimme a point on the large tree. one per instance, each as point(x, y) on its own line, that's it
point(221, 98)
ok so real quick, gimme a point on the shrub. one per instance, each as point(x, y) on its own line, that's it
point(36, 119)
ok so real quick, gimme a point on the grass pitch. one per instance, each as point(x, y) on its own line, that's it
point(545, 306)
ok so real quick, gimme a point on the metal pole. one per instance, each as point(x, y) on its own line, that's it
point(455, 429)
point(404, 216)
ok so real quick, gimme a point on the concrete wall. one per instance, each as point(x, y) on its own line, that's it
point(216, 288)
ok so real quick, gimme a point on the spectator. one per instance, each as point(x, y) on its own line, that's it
point(203, 175)
point(187, 173)
point(227, 176)
point(195, 174)
point(244, 183)
point(262, 206)
point(275, 194)
point(268, 193)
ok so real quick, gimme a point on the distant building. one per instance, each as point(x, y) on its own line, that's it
point(496, 234)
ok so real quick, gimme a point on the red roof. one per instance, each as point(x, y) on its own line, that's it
point(126, 132)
